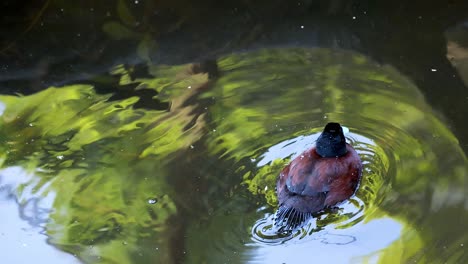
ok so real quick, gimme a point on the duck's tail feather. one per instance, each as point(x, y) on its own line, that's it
point(287, 218)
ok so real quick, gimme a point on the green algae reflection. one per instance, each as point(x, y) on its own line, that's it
point(187, 183)
point(106, 163)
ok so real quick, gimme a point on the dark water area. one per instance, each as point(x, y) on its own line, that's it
point(154, 132)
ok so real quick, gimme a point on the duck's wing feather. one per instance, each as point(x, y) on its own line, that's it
point(307, 176)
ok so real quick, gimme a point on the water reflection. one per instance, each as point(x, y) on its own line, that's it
point(356, 244)
point(195, 183)
point(22, 232)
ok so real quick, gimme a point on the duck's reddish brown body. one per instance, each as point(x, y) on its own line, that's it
point(311, 183)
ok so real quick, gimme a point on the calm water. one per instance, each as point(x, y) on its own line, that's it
point(189, 176)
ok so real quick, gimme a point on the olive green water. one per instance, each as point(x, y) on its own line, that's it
point(108, 182)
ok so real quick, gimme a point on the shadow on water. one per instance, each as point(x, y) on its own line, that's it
point(174, 162)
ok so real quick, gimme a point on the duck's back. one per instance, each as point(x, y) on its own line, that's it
point(310, 182)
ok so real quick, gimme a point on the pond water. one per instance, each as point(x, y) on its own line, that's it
point(188, 176)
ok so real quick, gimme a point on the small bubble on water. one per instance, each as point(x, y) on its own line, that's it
point(31, 124)
point(192, 146)
point(433, 70)
point(189, 87)
point(60, 157)
point(354, 17)
point(325, 117)
point(136, 2)
point(302, 27)
point(461, 245)
point(214, 130)
point(152, 201)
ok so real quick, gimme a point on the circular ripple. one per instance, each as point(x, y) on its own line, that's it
point(345, 214)
point(265, 231)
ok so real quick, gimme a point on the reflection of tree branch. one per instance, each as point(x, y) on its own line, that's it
point(189, 109)
point(31, 212)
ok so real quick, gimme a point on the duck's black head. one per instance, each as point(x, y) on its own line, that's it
point(332, 142)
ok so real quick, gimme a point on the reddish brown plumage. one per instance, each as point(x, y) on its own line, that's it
point(311, 183)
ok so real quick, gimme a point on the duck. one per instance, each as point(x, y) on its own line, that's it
point(319, 178)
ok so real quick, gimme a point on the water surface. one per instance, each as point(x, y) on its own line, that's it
point(189, 176)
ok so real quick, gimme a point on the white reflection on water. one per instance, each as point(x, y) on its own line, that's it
point(21, 238)
point(2, 108)
point(284, 149)
point(351, 245)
